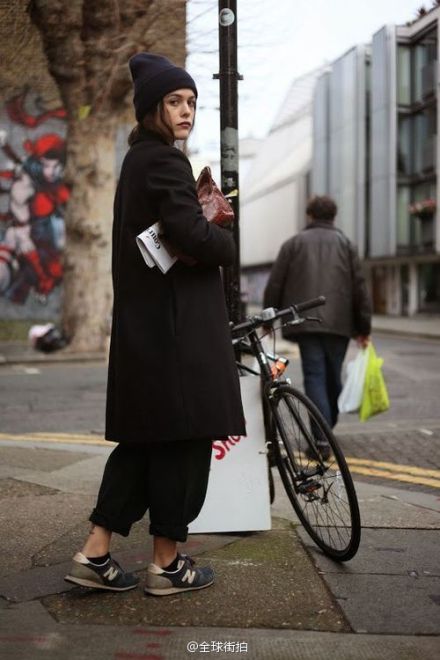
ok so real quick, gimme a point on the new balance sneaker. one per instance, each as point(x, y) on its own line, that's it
point(109, 576)
point(186, 578)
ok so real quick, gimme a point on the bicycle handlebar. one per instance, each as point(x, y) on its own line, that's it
point(270, 314)
point(309, 304)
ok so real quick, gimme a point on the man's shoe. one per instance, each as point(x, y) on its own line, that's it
point(186, 578)
point(109, 576)
point(323, 452)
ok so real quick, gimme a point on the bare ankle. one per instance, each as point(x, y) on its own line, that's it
point(164, 552)
point(98, 542)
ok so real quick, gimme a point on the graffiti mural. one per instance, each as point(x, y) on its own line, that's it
point(32, 202)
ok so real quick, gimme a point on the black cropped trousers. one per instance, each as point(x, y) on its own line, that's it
point(169, 479)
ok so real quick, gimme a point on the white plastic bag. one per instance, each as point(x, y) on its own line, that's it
point(350, 398)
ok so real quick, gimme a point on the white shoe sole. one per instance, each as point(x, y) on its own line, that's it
point(95, 585)
point(173, 590)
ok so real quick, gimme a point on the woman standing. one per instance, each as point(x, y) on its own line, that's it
point(172, 382)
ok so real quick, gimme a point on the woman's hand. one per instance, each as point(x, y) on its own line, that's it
point(174, 252)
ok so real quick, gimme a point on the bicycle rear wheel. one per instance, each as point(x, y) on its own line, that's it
point(321, 491)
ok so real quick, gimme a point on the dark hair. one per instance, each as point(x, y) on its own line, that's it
point(322, 208)
point(155, 120)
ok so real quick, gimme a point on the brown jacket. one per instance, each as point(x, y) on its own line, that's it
point(321, 260)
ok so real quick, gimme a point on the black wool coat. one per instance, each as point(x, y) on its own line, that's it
point(172, 373)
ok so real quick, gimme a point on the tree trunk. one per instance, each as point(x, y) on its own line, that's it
point(89, 215)
point(88, 44)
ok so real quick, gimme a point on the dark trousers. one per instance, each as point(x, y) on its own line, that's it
point(322, 356)
point(170, 479)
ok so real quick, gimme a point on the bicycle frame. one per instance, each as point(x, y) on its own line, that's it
point(329, 513)
point(269, 385)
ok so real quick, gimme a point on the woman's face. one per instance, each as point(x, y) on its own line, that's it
point(180, 108)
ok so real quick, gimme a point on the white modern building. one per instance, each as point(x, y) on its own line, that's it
point(364, 131)
point(375, 152)
point(273, 194)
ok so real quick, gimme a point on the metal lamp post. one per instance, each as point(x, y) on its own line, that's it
point(229, 77)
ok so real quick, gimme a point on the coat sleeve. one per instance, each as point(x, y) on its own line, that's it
point(361, 298)
point(273, 293)
point(171, 184)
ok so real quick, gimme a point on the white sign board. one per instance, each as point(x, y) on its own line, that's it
point(238, 492)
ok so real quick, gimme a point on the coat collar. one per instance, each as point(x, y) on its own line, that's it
point(321, 225)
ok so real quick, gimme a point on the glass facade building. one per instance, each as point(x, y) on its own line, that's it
point(376, 152)
point(340, 140)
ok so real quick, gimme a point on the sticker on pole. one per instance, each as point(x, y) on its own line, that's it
point(226, 17)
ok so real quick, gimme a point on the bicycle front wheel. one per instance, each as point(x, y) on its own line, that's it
point(321, 491)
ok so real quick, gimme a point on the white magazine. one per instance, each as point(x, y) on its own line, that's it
point(153, 249)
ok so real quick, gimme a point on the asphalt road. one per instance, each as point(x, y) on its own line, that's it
point(64, 402)
point(71, 397)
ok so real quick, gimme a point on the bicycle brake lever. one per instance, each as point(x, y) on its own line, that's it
point(313, 318)
point(294, 322)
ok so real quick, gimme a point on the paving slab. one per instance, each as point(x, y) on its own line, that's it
point(46, 459)
point(64, 546)
point(44, 637)
point(396, 570)
point(385, 506)
point(31, 522)
point(387, 552)
point(82, 476)
point(15, 488)
point(45, 579)
point(402, 604)
point(264, 580)
point(34, 583)
point(380, 506)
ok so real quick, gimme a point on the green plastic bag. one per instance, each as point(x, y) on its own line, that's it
point(375, 395)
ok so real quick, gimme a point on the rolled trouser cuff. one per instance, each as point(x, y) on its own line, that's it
point(101, 520)
point(177, 533)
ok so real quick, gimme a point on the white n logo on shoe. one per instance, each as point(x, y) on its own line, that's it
point(111, 573)
point(189, 576)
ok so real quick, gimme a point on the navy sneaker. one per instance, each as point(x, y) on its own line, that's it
point(187, 577)
point(109, 576)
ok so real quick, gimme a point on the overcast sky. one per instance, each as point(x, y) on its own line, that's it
point(278, 42)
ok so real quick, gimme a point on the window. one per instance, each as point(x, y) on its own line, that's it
point(425, 129)
point(424, 67)
point(404, 75)
point(429, 287)
point(403, 219)
point(404, 146)
point(417, 141)
point(422, 230)
point(404, 289)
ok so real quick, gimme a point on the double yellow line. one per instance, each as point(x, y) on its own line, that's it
point(369, 468)
point(395, 471)
point(59, 438)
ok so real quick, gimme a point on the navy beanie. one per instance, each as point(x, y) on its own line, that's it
point(154, 76)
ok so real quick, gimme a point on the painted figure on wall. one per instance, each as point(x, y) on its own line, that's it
point(32, 225)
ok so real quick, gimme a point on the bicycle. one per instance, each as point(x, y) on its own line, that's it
point(320, 488)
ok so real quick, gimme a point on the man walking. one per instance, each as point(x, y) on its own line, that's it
point(321, 260)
